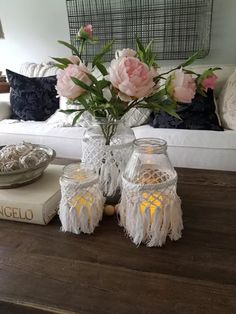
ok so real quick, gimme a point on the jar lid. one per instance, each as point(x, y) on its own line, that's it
point(79, 172)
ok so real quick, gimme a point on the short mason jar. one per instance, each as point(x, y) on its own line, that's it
point(150, 209)
point(82, 201)
point(106, 146)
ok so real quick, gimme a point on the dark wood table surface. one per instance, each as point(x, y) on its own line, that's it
point(43, 270)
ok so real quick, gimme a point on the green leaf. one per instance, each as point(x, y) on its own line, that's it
point(170, 109)
point(104, 50)
point(190, 60)
point(201, 91)
point(156, 97)
point(93, 79)
point(68, 45)
point(190, 72)
point(77, 116)
point(68, 111)
point(148, 49)
point(104, 83)
point(101, 68)
point(140, 45)
point(60, 66)
point(63, 61)
point(82, 84)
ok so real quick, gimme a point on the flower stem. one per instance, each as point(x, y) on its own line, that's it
point(81, 48)
point(108, 131)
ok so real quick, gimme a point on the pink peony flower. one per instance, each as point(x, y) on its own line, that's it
point(87, 30)
point(66, 87)
point(131, 77)
point(183, 86)
point(125, 53)
point(74, 59)
point(209, 82)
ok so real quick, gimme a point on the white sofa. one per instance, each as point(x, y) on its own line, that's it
point(186, 148)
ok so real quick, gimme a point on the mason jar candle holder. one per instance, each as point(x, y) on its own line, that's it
point(150, 209)
point(82, 201)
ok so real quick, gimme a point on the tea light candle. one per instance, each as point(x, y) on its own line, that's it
point(152, 202)
point(82, 201)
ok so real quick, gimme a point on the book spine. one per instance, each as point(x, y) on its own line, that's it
point(23, 212)
point(51, 207)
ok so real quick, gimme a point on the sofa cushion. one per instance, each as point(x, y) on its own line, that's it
point(198, 115)
point(227, 103)
point(5, 110)
point(31, 69)
point(186, 148)
point(32, 98)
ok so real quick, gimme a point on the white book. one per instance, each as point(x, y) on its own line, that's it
point(35, 203)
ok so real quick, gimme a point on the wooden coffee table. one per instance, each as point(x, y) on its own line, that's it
point(43, 270)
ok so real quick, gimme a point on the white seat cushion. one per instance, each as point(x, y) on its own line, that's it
point(186, 148)
point(65, 140)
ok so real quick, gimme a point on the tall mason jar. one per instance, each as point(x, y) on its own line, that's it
point(150, 209)
point(107, 146)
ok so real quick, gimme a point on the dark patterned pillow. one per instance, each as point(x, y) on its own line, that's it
point(32, 98)
point(198, 115)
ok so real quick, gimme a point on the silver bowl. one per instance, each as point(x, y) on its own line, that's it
point(19, 177)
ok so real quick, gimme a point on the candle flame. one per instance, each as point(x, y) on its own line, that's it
point(151, 201)
point(84, 200)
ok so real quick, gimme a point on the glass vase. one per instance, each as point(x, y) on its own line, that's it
point(150, 209)
point(107, 146)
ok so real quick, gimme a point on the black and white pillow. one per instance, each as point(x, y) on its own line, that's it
point(198, 115)
point(32, 98)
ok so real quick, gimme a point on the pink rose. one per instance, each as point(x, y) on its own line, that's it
point(66, 87)
point(183, 86)
point(209, 82)
point(131, 77)
point(86, 30)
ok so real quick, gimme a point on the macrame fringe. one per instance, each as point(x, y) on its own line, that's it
point(109, 161)
point(166, 219)
point(76, 217)
point(109, 178)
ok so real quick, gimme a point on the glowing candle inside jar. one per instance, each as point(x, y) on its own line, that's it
point(151, 201)
point(85, 200)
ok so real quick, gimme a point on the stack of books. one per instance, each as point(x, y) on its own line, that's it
point(35, 203)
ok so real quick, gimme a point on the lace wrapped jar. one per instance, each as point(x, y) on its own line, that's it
point(107, 145)
point(82, 201)
point(150, 209)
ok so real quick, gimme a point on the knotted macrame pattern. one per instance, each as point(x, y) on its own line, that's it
point(109, 161)
point(151, 212)
point(81, 206)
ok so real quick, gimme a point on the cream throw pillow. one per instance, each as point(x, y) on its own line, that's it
point(227, 103)
point(5, 110)
point(134, 117)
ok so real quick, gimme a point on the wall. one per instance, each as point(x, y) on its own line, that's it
point(32, 28)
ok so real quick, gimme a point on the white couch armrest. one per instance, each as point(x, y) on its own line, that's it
point(5, 110)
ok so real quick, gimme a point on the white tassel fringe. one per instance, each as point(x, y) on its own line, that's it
point(84, 214)
point(109, 161)
point(166, 219)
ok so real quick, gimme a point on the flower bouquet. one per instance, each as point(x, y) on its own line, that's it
point(108, 93)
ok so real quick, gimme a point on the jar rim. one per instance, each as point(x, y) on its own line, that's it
point(150, 141)
point(79, 172)
point(104, 120)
